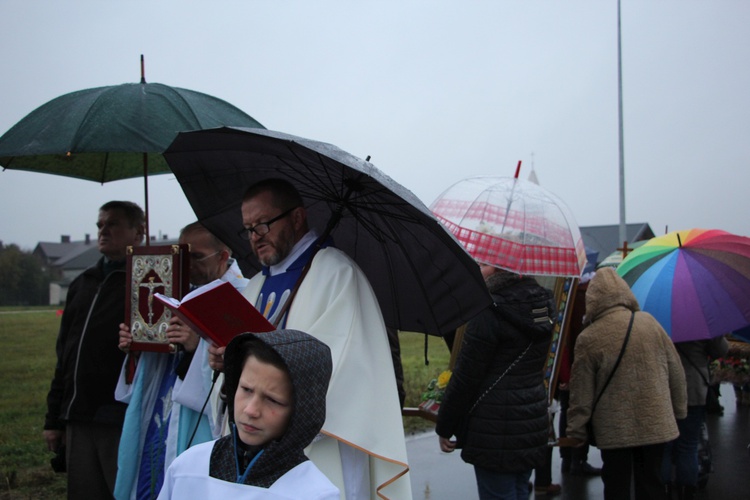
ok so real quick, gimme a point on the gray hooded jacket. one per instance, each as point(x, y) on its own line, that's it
point(309, 363)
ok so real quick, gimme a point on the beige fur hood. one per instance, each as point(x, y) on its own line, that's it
point(607, 290)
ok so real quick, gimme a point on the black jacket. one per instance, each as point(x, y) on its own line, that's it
point(508, 429)
point(88, 360)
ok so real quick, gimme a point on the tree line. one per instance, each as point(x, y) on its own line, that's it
point(24, 279)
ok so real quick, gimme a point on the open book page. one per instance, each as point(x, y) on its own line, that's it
point(217, 312)
point(195, 293)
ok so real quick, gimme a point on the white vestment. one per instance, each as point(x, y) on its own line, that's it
point(336, 304)
point(188, 477)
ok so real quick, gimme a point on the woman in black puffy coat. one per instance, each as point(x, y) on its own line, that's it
point(496, 403)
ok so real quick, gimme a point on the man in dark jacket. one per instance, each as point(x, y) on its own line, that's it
point(82, 413)
point(497, 387)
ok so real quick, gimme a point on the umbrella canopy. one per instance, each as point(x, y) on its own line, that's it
point(424, 280)
point(696, 283)
point(109, 133)
point(513, 224)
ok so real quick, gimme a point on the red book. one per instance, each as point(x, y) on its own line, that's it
point(217, 312)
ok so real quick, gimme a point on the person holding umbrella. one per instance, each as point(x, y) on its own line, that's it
point(82, 413)
point(309, 285)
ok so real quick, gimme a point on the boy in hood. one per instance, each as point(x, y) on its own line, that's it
point(276, 385)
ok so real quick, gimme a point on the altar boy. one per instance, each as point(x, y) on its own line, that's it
point(276, 386)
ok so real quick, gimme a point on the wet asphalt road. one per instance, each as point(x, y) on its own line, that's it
point(444, 476)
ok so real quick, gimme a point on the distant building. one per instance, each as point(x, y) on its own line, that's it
point(603, 240)
point(69, 259)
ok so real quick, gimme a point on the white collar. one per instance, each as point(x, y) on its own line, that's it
point(303, 244)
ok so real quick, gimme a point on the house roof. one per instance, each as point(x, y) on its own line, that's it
point(53, 251)
point(606, 239)
point(76, 255)
point(79, 259)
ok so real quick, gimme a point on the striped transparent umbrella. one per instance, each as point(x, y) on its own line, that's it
point(513, 224)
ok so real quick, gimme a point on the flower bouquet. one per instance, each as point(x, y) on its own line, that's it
point(730, 369)
point(433, 396)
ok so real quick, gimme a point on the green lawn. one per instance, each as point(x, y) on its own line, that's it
point(417, 375)
point(27, 343)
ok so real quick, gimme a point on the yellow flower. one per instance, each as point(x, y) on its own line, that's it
point(443, 379)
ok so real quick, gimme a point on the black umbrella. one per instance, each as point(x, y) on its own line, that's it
point(423, 278)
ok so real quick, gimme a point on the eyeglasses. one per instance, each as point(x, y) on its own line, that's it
point(263, 228)
point(196, 257)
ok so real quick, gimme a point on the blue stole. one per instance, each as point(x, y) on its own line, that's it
point(276, 289)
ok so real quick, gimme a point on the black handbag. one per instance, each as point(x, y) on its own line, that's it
point(591, 437)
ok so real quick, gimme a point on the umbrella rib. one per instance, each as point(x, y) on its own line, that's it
point(331, 195)
point(74, 140)
point(174, 91)
point(315, 187)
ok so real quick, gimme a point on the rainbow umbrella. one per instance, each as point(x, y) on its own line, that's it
point(696, 283)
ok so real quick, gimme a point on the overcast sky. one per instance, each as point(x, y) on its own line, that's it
point(434, 91)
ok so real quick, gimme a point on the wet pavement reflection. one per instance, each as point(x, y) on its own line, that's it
point(444, 476)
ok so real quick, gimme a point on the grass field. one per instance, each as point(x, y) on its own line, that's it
point(27, 344)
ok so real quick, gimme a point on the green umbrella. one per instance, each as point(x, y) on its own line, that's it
point(109, 133)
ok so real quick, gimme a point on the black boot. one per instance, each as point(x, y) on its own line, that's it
point(669, 488)
point(584, 469)
point(685, 492)
point(688, 493)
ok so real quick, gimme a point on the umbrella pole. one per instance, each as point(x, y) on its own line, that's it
point(510, 198)
point(145, 189)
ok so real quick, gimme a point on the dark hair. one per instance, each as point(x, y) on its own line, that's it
point(132, 212)
point(263, 352)
point(285, 195)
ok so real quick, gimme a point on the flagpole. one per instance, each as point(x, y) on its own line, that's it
point(623, 232)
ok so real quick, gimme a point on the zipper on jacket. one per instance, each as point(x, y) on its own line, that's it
point(80, 342)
